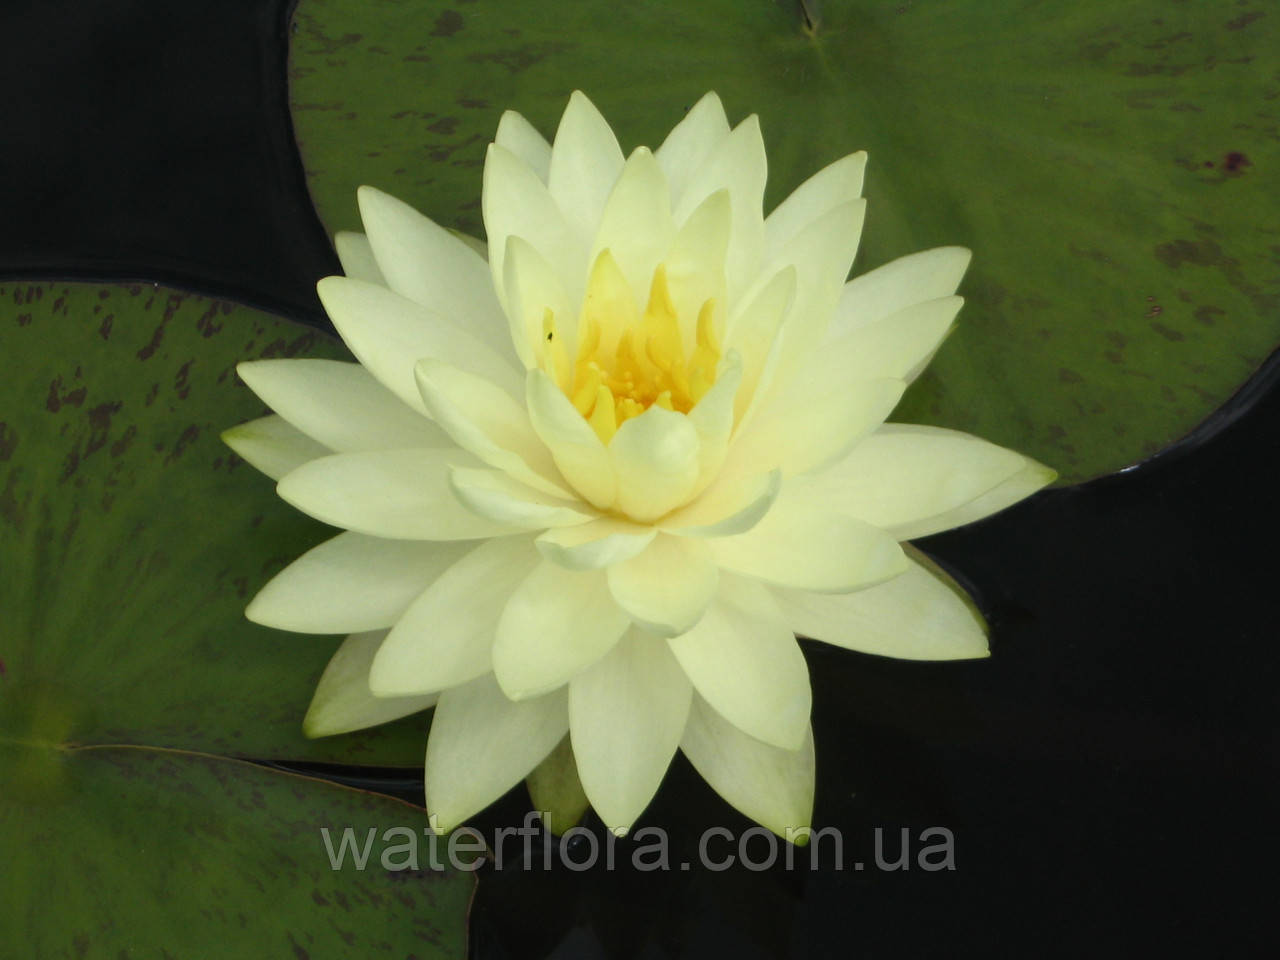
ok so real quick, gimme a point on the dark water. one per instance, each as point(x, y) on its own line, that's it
point(1108, 778)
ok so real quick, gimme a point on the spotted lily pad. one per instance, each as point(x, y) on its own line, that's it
point(130, 539)
point(1107, 163)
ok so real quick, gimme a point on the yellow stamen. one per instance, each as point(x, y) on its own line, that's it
point(627, 361)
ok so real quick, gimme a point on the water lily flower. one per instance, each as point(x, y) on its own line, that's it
point(595, 478)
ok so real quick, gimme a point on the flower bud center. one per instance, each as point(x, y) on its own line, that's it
point(627, 361)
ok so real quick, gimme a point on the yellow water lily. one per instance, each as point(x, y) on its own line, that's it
point(596, 479)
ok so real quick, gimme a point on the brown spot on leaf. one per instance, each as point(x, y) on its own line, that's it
point(447, 24)
point(1242, 21)
point(100, 425)
point(187, 438)
point(1235, 162)
point(1069, 376)
point(8, 441)
point(1206, 314)
point(104, 328)
point(57, 398)
point(180, 380)
point(121, 445)
point(1169, 334)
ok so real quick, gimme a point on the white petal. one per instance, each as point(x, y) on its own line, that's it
point(915, 480)
point(485, 421)
point(516, 202)
point(627, 714)
point(807, 431)
point(585, 163)
point(691, 142)
point(803, 543)
point(400, 494)
point(666, 588)
point(428, 264)
point(339, 404)
point(493, 494)
point(738, 163)
point(712, 418)
point(753, 333)
point(898, 346)
point(356, 256)
point(695, 265)
point(920, 615)
point(822, 253)
point(655, 457)
point(351, 583)
point(835, 184)
point(744, 661)
point(555, 623)
point(342, 701)
point(591, 546)
point(533, 287)
point(519, 136)
point(733, 504)
point(445, 637)
point(774, 787)
point(582, 458)
point(273, 445)
point(636, 226)
point(482, 744)
point(389, 334)
point(898, 284)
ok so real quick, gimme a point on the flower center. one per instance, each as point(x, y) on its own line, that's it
point(627, 362)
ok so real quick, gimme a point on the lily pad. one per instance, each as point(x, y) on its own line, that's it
point(130, 539)
point(1107, 163)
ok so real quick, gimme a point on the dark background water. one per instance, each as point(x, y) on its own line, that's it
point(1109, 776)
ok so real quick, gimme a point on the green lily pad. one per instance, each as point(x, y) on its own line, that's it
point(135, 852)
point(131, 538)
point(1109, 164)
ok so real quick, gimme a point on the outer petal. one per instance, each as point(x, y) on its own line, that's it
point(836, 184)
point(273, 445)
point(635, 226)
point(732, 505)
point(399, 494)
point(898, 346)
point(626, 717)
point(915, 480)
point(666, 588)
point(446, 637)
point(516, 202)
point(555, 623)
point(920, 615)
point(744, 661)
point(691, 142)
point(810, 430)
point(802, 543)
point(493, 494)
point(389, 334)
point(591, 546)
point(351, 583)
point(655, 457)
point(518, 135)
point(339, 404)
point(898, 284)
point(482, 744)
point(738, 163)
point(770, 785)
point(582, 459)
point(427, 264)
point(488, 423)
point(355, 253)
point(342, 700)
point(585, 163)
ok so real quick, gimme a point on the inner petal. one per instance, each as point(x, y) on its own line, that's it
point(627, 360)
